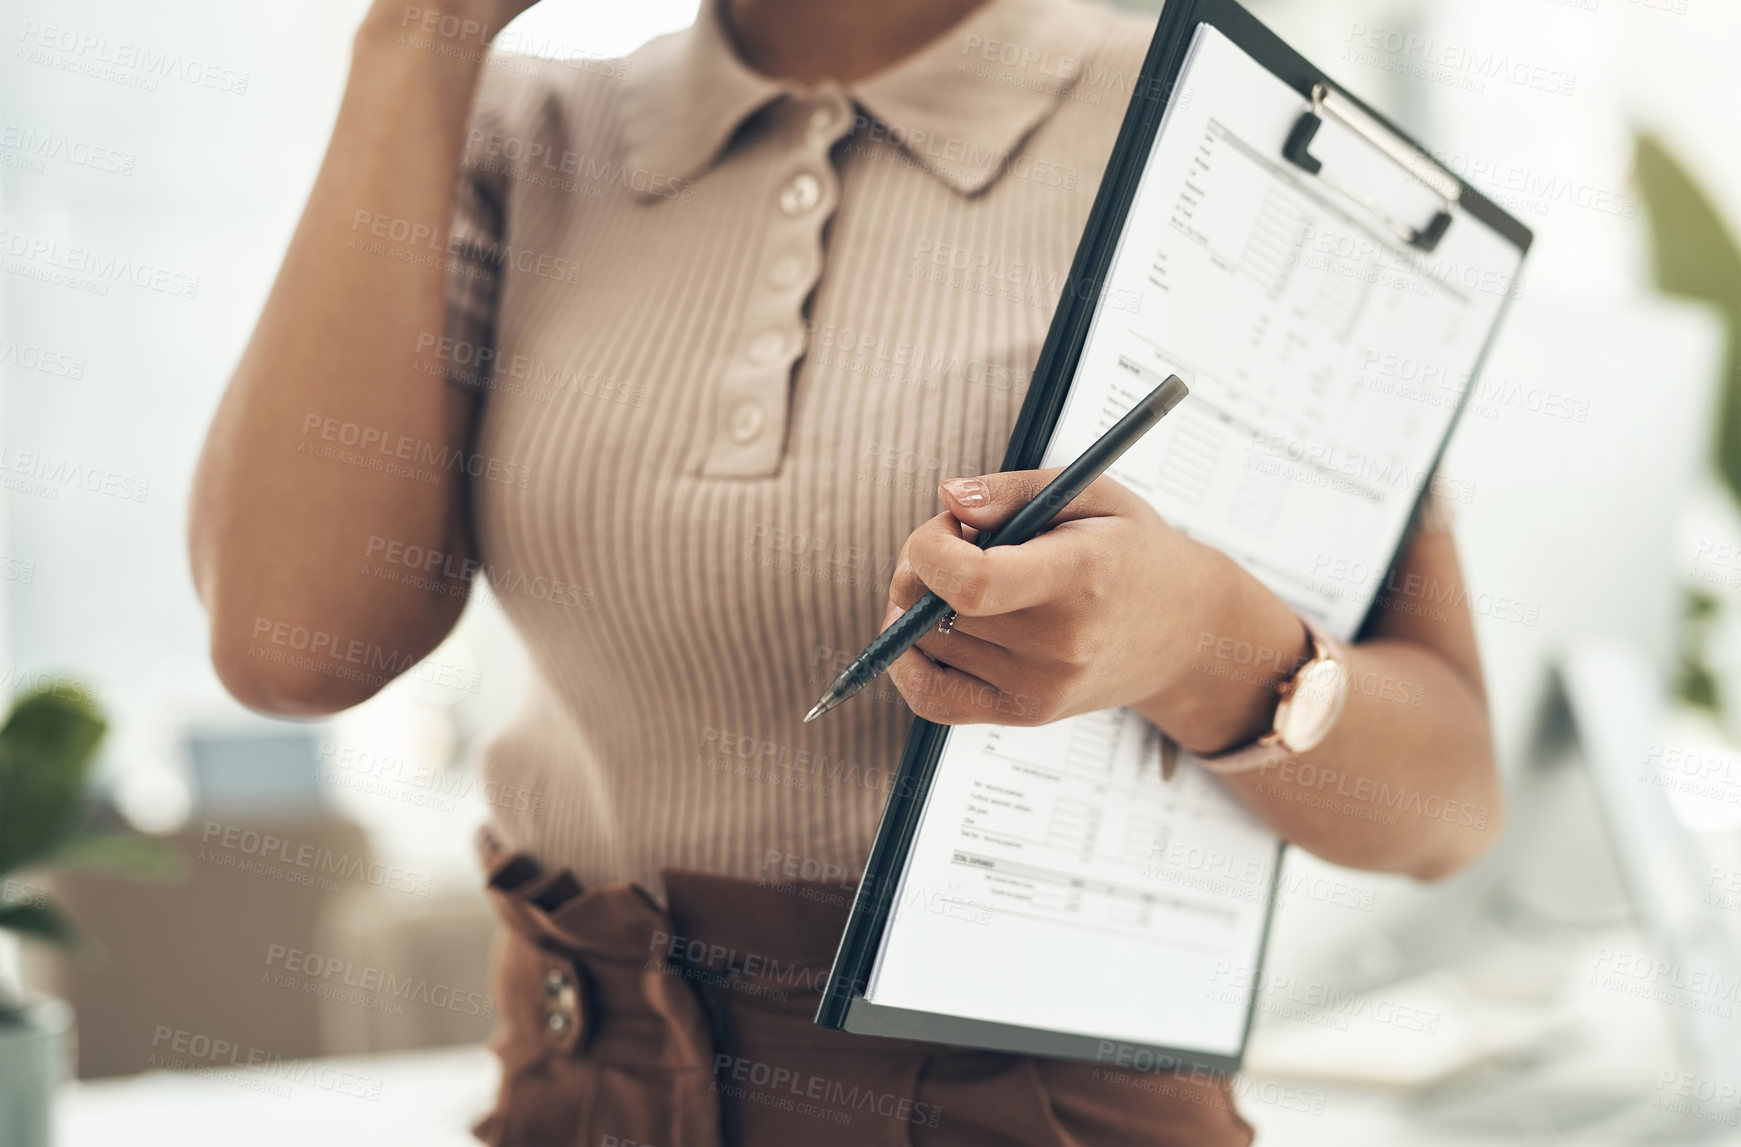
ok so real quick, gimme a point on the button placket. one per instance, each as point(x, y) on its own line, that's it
point(766, 347)
point(786, 271)
point(754, 395)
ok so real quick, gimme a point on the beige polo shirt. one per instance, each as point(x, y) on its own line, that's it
point(729, 333)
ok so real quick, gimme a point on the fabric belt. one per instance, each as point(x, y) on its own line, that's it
point(626, 1024)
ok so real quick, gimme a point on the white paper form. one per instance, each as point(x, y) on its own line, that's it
point(1056, 881)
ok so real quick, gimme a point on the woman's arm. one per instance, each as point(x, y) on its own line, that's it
point(1406, 781)
point(1114, 607)
point(292, 498)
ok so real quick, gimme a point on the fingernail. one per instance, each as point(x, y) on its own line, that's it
point(968, 491)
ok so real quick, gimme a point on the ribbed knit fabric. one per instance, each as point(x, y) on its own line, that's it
point(740, 331)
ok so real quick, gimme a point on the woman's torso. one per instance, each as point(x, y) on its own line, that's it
point(739, 336)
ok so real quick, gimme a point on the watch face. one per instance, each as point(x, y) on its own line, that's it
point(1320, 691)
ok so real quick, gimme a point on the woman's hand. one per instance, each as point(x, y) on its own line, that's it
point(1113, 607)
point(1109, 607)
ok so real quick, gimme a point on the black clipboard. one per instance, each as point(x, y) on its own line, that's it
point(843, 1005)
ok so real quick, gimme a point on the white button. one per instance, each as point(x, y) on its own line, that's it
point(787, 271)
point(800, 195)
point(821, 122)
point(746, 421)
point(766, 347)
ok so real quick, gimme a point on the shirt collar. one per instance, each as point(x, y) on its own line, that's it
point(960, 106)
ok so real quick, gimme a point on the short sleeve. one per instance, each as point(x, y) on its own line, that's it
point(473, 287)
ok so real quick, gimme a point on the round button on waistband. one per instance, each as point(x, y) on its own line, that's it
point(801, 194)
point(561, 1002)
point(746, 421)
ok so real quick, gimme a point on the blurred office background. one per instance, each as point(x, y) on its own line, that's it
point(1577, 986)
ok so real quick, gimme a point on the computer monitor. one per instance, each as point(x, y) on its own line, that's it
point(1584, 439)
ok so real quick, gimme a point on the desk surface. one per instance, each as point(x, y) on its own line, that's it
point(430, 1098)
point(1604, 1086)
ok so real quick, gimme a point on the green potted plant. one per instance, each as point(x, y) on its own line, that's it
point(1695, 256)
point(47, 745)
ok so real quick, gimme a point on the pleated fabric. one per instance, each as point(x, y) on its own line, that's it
point(726, 337)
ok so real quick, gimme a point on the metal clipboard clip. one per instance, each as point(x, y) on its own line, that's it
point(1436, 179)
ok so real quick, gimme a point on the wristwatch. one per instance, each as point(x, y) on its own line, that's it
point(1310, 702)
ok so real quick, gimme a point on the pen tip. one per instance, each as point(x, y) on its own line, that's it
point(835, 695)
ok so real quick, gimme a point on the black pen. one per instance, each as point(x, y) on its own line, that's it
point(887, 646)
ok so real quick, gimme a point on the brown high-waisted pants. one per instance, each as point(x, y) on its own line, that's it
point(623, 1024)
